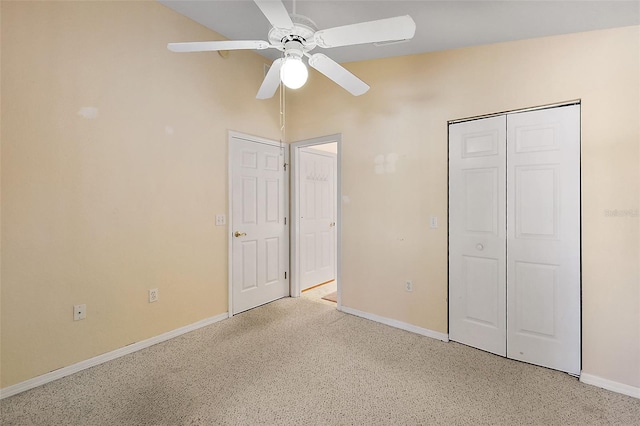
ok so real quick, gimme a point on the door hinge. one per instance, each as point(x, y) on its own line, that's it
point(285, 220)
point(285, 166)
point(285, 275)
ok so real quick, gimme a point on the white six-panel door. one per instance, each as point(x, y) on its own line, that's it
point(477, 250)
point(317, 217)
point(514, 274)
point(543, 237)
point(260, 254)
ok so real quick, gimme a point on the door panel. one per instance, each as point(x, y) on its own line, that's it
point(480, 281)
point(481, 215)
point(477, 291)
point(273, 201)
point(260, 254)
point(272, 252)
point(249, 261)
point(317, 217)
point(543, 238)
point(249, 200)
point(536, 286)
point(536, 201)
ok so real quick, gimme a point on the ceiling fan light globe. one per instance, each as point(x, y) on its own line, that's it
point(293, 73)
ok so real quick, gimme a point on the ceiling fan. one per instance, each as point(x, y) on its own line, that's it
point(296, 35)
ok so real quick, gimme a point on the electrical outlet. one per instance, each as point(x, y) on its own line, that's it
point(408, 285)
point(221, 220)
point(79, 312)
point(154, 295)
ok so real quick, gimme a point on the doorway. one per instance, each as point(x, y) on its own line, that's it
point(315, 216)
point(514, 235)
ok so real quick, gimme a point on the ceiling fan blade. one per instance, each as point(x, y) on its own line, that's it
point(208, 46)
point(390, 29)
point(271, 81)
point(276, 13)
point(338, 74)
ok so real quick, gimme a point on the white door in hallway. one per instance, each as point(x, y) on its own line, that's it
point(543, 238)
point(477, 251)
point(514, 236)
point(259, 235)
point(317, 182)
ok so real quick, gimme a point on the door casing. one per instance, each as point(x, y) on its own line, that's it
point(294, 229)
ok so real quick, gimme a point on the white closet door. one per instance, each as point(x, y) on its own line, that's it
point(477, 270)
point(543, 238)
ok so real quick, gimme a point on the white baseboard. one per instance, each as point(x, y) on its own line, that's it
point(91, 362)
point(629, 390)
point(397, 324)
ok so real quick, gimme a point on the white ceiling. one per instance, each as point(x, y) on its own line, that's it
point(440, 25)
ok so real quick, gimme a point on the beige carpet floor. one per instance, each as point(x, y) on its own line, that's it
point(301, 362)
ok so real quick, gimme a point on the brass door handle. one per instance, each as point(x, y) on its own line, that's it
point(239, 234)
point(332, 224)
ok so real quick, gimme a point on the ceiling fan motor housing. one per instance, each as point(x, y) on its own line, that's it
point(302, 32)
point(293, 49)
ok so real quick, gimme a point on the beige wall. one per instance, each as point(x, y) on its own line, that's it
point(386, 237)
point(99, 210)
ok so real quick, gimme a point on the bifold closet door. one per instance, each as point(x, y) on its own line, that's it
point(543, 237)
point(514, 236)
point(477, 250)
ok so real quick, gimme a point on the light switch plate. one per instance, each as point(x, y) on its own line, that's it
point(221, 220)
point(434, 222)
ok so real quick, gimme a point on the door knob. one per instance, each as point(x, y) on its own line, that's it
point(332, 224)
point(239, 234)
point(479, 247)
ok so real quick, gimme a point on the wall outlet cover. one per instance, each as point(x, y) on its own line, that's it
point(154, 295)
point(79, 312)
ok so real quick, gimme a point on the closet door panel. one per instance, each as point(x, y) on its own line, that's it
point(477, 271)
point(543, 238)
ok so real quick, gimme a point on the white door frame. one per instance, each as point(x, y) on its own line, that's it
point(294, 229)
point(256, 139)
